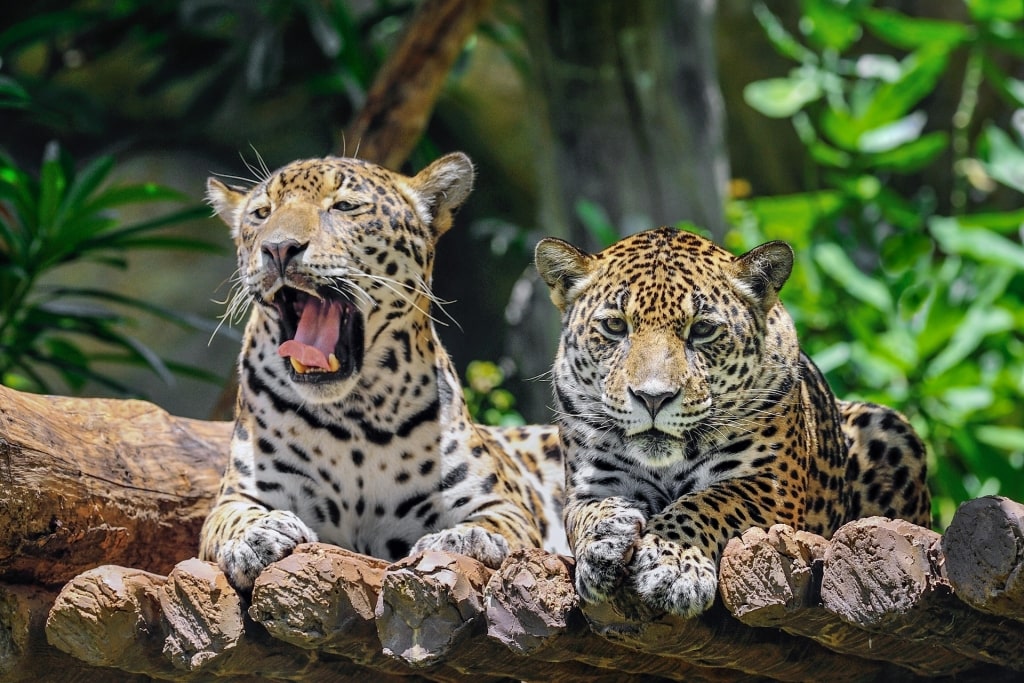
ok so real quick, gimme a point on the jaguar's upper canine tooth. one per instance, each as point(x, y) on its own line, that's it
point(297, 366)
point(333, 363)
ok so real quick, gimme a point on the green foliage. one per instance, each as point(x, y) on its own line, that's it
point(68, 216)
point(908, 287)
point(490, 403)
point(101, 71)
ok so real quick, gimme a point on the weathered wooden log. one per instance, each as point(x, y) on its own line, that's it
point(111, 617)
point(188, 626)
point(715, 639)
point(984, 549)
point(121, 480)
point(88, 482)
point(887, 576)
point(429, 603)
point(24, 653)
point(432, 609)
point(323, 598)
point(533, 609)
point(532, 600)
point(772, 579)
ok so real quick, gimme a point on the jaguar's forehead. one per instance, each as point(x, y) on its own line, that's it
point(321, 177)
point(664, 271)
point(665, 250)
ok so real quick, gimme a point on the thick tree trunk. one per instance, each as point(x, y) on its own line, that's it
point(404, 92)
point(630, 122)
point(631, 93)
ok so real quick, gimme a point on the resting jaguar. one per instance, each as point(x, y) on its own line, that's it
point(351, 427)
point(688, 414)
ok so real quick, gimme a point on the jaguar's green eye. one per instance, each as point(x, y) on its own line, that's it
point(260, 213)
point(702, 331)
point(614, 327)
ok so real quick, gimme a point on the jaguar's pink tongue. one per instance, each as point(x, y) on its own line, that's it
point(316, 335)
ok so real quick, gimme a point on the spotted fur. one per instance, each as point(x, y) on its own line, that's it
point(688, 414)
point(368, 446)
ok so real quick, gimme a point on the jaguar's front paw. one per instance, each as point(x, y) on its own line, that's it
point(601, 562)
point(485, 546)
point(269, 538)
point(673, 578)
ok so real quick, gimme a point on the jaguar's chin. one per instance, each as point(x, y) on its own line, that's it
point(655, 448)
point(322, 336)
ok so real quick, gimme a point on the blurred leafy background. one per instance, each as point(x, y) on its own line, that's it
point(883, 139)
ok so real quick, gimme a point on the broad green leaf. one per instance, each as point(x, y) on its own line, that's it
point(1004, 160)
point(911, 156)
point(1006, 438)
point(903, 250)
point(829, 24)
point(892, 135)
point(596, 222)
point(967, 400)
point(121, 195)
point(136, 349)
point(1007, 37)
point(86, 182)
point(71, 356)
point(912, 32)
point(977, 242)
point(1011, 222)
point(897, 210)
point(170, 242)
point(1011, 88)
point(832, 357)
point(990, 10)
point(826, 155)
point(979, 323)
point(922, 69)
point(43, 26)
point(12, 94)
point(783, 42)
point(52, 184)
point(781, 97)
point(185, 320)
point(887, 102)
point(912, 301)
point(822, 153)
point(73, 374)
point(878, 67)
point(793, 217)
point(836, 264)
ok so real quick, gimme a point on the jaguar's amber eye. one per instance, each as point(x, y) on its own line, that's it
point(702, 331)
point(614, 327)
point(260, 213)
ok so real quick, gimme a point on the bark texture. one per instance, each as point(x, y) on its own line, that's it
point(881, 600)
point(404, 91)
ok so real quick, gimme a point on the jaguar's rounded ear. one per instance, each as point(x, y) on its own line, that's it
point(443, 186)
point(225, 200)
point(763, 270)
point(563, 267)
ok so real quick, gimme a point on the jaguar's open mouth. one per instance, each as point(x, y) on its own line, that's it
point(322, 335)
